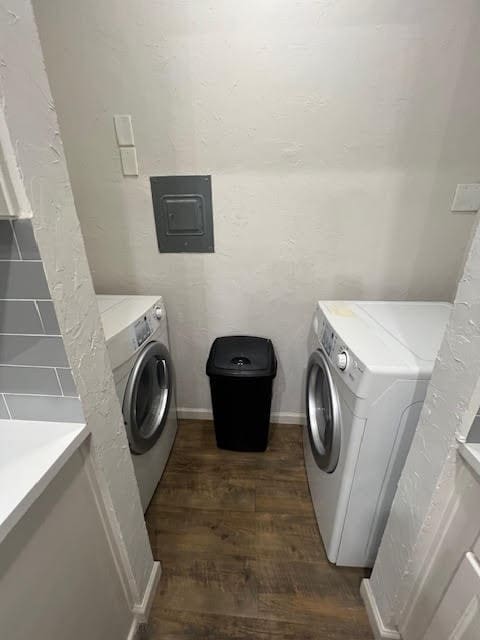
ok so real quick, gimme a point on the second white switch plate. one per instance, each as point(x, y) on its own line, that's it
point(124, 130)
point(128, 157)
point(467, 198)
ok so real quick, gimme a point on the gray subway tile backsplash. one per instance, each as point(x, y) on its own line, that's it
point(8, 246)
point(26, 240)
point(35, 380)
point(19, 316)
point(4, 415)
point(23, 280)
point(474, 433)
point(49, 317)
point(48, 408)
point(29, 380)
point(33, 350)
point(67, 382)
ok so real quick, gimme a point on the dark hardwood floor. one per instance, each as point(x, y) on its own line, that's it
point(241, 554)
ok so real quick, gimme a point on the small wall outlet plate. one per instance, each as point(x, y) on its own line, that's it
point(467, 198)
point(124, 130)
point(128, 157)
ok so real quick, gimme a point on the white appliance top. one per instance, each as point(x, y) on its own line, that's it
point(105, 302)
point(401, 337)
point(418, 326)
point(119, 312)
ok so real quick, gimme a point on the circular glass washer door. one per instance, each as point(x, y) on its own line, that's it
point(323, 413)
point(147, 397)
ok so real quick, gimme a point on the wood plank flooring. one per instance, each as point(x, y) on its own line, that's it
point(241, 554)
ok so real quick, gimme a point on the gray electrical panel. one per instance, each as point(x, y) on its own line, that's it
point(182, 206)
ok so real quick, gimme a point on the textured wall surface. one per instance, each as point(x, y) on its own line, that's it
point(335, 133)
point(429, 476)
point(33, 127)
point(36, 382)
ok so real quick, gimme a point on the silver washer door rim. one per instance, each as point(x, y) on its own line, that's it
point(324, 438)
point(155, 364)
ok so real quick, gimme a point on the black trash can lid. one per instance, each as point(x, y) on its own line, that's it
point(243, 356)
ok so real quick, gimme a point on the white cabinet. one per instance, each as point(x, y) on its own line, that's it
point(59, 575)
point(458, 615)
point(429, 612)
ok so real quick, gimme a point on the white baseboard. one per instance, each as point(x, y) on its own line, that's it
point(185, 413)
point(142, 610)
point(132, 634)
point(282, 417)
point(380, 631)
point(287, 417)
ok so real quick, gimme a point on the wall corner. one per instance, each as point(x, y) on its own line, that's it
point(379, 629)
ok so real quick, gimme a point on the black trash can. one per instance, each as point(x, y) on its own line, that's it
point(241, 371)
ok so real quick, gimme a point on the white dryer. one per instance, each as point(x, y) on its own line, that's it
point(367, 376)
point(136, 332)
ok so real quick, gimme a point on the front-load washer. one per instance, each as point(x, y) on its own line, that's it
point(136, 332)
point(367, 376)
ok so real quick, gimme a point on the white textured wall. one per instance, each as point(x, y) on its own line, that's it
point(33, 127)
point(430, 474)
point(335, 133)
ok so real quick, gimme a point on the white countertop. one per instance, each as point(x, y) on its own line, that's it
point(470, 452)
point(31, 454)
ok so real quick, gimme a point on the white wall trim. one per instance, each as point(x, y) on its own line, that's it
point(380, 631)
point(11, 185)
point(282, 417)
point(133, 634)
point(138, 631)
point(142, 610)
point(110, 524)
point(288, 417)
point(186, 413)
point(455, 533)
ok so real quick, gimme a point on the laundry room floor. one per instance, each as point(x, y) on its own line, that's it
point(241, 554)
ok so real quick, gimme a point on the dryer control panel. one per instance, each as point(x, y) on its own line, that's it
point(341, 357)
point(328, 338)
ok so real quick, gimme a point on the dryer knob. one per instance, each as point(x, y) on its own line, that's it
point(158, 311)
point(342, 360)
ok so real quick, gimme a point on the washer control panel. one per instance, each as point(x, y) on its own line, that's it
point(142, 330)
point(342, 360)
point(146, 325)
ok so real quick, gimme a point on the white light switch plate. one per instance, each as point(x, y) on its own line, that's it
point(124, 130)
point(467, 197)
point(128, 157)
